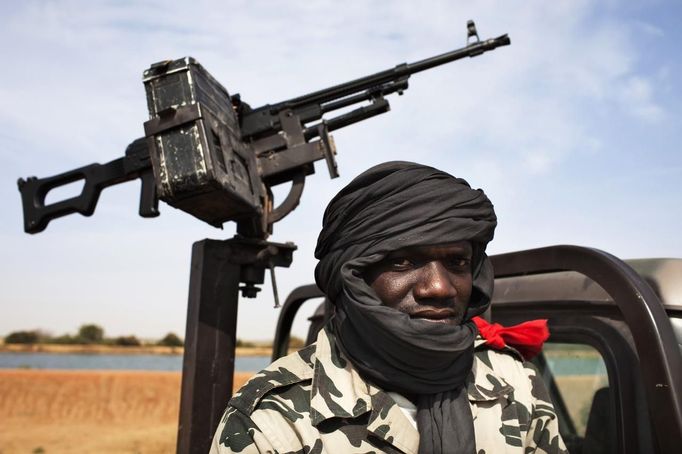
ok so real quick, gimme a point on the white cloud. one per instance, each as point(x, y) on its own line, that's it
point(650, 29)
point(637, 98)
point(538, 161)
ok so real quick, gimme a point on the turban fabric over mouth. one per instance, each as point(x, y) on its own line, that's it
point(392, 206)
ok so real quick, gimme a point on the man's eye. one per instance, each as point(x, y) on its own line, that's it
point(460, 263)
point(399, 263)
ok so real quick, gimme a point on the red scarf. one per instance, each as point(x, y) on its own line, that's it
point(527, 337)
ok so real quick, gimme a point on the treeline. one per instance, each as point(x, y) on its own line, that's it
point(89, 334)
point(294, 342)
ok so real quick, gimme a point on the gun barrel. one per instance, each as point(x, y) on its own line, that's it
point(472, 50)
point(264, 120)
point(403, 70)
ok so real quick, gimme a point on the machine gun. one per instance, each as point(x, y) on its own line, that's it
point(214, 157)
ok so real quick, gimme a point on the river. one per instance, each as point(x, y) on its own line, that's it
point(561, 366)
point(11, 360)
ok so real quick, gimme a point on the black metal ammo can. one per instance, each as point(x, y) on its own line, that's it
point(201, 165)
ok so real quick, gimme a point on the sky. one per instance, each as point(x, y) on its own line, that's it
point(573, 131)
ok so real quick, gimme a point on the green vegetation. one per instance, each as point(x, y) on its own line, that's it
point(242, 343)
point(91, 334)
point(88, 334)
point(64, 339)
point(171, 340)
point(23, 337)
point(296, 342)
point(127, 341)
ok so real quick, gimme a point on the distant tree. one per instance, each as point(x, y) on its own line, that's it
point(243, 343)
point(296, 342)
point(43, 336)
point(22, 337)
point(64, 339)
point(127, 341)
point(91, 334)
point(171, 340)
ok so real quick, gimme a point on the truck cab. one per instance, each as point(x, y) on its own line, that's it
point(613, 362)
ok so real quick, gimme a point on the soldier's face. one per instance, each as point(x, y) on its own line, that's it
point(432, 283)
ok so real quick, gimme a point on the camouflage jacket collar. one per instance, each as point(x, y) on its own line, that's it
point(338, 391)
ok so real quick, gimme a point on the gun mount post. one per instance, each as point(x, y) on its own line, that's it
point(218, 267)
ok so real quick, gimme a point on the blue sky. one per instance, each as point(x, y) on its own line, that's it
point(573, 131)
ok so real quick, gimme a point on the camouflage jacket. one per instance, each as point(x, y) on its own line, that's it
point(314, 401)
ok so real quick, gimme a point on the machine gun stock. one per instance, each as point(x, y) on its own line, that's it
point(96, 177)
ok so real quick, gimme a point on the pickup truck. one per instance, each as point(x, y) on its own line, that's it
point(613, 362)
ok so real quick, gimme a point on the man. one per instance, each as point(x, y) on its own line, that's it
point(399, 367)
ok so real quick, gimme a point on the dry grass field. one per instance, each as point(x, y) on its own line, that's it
point(89, 411)
point(108, 412)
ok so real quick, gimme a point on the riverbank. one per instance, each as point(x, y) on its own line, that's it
point(52, 411)
point(117, 349)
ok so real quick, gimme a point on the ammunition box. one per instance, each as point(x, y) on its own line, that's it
point(201, 165)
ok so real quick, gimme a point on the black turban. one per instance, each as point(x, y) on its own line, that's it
point(390, 207)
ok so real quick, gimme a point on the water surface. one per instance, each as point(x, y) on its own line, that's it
point(11, 360)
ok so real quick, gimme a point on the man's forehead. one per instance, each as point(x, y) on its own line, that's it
point(435, 250)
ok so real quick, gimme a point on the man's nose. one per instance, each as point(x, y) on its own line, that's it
point(435, 282)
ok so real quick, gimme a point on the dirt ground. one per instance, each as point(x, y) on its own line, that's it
point(90, 411)
point(108, 412)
